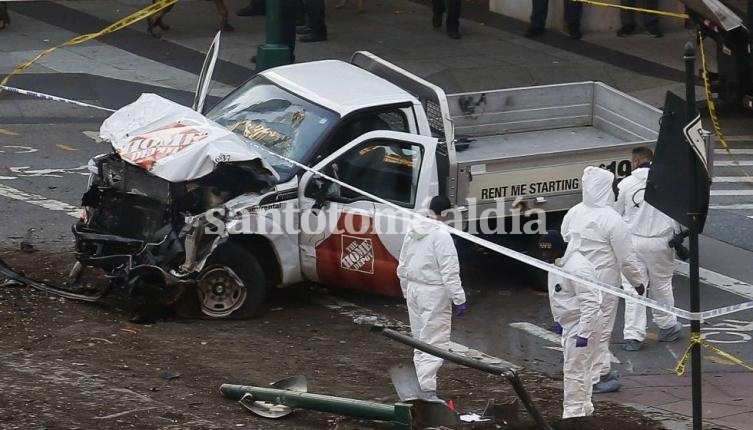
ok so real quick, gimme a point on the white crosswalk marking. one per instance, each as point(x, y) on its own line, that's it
point(740, 206)
point(733, 163)
point(37, 200)
point(732, 192)
point(734, 151)
point(733, 179)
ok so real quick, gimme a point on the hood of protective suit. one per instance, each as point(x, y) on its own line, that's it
point(422, 227)
point(640, 173)
point(597, 187)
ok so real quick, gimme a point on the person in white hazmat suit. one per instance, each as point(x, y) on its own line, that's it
point(652, 231)
point(606, 242)
point(576, 310)
point(429, 275)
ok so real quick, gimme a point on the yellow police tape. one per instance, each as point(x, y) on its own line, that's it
point(119, 25)
point(636, 9)
point(712, 106)
point(695, 339)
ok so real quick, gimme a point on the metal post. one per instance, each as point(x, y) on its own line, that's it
point(509, 374)
point(693, 219)
point(398, 414)
point(275, 52)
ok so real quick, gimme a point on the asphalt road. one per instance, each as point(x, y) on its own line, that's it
point(44, 148)
point(43, 174)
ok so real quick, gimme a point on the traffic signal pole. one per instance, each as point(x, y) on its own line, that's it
point(694, 221)
point(275, 52)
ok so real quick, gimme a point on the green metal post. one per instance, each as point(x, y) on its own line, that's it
point(398, 414)
point(274, 52)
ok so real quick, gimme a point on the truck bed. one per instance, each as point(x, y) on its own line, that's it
point(532, 143)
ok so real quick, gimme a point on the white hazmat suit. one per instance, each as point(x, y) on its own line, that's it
point(576, 308)
point(606, 242)
point(651, 230)
point(430, 279)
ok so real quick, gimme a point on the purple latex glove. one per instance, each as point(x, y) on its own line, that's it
point(460, 310)
point(558, 328)
point(580, 342)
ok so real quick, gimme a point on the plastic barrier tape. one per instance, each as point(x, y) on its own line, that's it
point(51, 97)
point(609, 289)
point(119, 25)
point(636, 9)
point(695, 339)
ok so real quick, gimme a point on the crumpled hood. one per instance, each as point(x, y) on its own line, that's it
point(597, 187)
point(421, 227)
point(175, 142)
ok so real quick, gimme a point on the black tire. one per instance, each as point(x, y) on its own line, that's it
point(247, 268)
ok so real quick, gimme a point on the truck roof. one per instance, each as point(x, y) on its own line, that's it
point(337, 85)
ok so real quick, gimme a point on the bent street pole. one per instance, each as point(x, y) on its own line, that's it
point(509, 374)
point(693, 220)
point(275, 52)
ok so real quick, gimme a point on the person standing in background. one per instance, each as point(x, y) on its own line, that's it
point(539, 11)
point(453, 16)
point(606, 242)
point(652, 231)
point(4, 17)
point(650, 20)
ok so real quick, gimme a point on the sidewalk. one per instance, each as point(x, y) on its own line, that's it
point(726, 396)
point(492, 54)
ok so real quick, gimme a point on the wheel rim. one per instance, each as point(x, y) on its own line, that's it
point(221, 292)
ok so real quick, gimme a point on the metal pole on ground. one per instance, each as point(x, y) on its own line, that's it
point(275, 52)
point(693, 220)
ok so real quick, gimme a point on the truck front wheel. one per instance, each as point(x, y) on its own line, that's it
point(232, 285)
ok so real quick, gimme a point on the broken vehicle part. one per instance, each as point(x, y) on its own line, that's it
point(509, 374)
point(13, 276)
point(144, 219)
point(398, 414)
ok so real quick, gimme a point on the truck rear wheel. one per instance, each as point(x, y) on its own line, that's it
point(232, 285)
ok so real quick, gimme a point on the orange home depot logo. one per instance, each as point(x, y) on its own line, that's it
point(358, 261)
point(145, 149)
point(357, 254)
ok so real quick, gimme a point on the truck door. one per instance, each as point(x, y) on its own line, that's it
point(205, 78)
point(352, 246)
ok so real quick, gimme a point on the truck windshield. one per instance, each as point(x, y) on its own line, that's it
point(276, 119)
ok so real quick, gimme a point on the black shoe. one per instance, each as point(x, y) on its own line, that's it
point(453, 34)
point(436, 20)
point(574, 31)
point(655, 32)
point(253, 59)
point(625, 30)
point(312, 37)
point(250, 11)
point(534, 32)
point(302, 29)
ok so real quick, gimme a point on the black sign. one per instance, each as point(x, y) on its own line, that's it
point(670, 180)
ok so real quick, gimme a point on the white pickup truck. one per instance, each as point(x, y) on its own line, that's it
point(369, 123)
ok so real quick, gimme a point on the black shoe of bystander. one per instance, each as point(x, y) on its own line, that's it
point(574, 31)
point(625, 30)
point(312, 37)
point(534, 32)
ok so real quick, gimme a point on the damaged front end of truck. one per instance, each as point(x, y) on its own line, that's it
point(150, 215)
